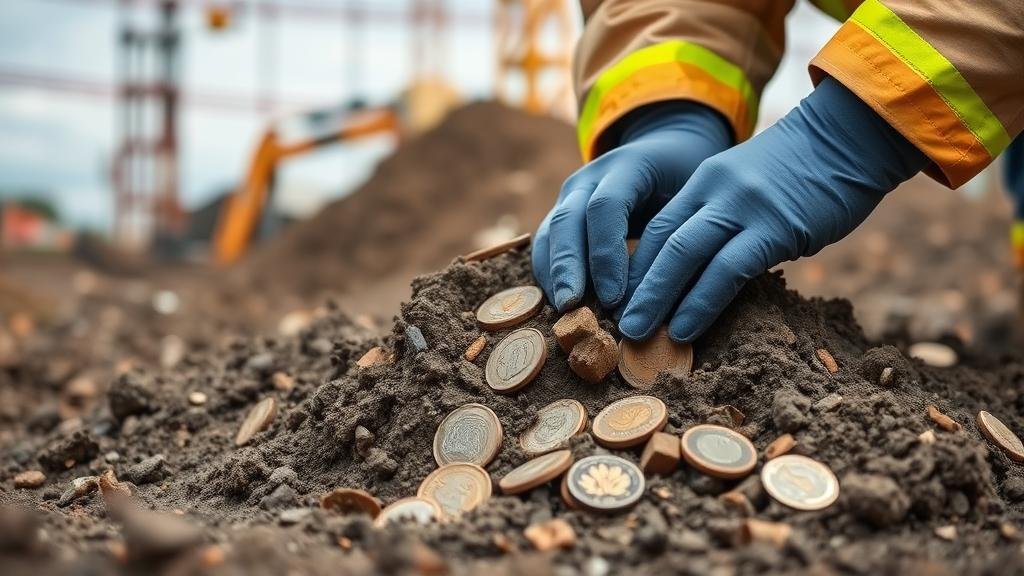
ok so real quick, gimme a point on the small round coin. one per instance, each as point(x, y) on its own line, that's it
point(605, 483)
point(419, 510)
point(456, 488)
point(471, 433)
point(533, 473)
point(350, 501)
point(719, 451)
point(630, 421)
point(641, 362)
point(509, 307)
point(258, 419)
point(1001, 436)
point(516, 360)
point(556, 423)
point(800, 482)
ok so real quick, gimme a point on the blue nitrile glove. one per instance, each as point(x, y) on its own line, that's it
point(797, 187)
point(659, 148)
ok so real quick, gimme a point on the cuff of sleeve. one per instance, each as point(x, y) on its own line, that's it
point(674, 70)
point(916, 90)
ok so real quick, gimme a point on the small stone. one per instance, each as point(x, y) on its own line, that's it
point(552, 534)
point(781, 445)
point(150, 535)
point(1009, 531)
point(283, 496)
point(828, 403)
point(727, 415)
point(934, 354)
point(129, 396)
point(927, 437)
point(373, 357)
point(1013, 489)
point(475, 348)
point(75, 447)
point(754, 531)
point(943, 421)
point(381, 463)
point(595, 357)
point(293, 515)
point(29, 479)
point(79, 487)
point(260, 417)
point(789, 410)
point(574, 327)
point(261, 363)
point(116, 495)
point(886, 377)
point(875, 498)
point(196, 398)
point(112, 457)
point(828, 361)
point(946, 532)
point(414, 340)
point(148, 471)
point(283, 475)
point(661, 454)
point(364, 441)
point(737, 501)
point(282, 382)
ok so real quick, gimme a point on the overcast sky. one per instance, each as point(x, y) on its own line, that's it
point(61, 142)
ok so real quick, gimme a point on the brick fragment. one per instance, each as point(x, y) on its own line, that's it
point(593, 358)
point(661, 455)
point(574, 327)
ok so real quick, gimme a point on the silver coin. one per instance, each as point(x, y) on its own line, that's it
point(800, 482)
point(606, 483)
point(471, 433)
point(556, 424)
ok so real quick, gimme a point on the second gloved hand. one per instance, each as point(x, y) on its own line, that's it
point(797, 187)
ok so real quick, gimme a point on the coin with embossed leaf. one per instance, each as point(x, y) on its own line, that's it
point(516, 360)
point(630, 421)
point(509, 307)
point(457, 488)
point(605, 483)
point(641, 362)
point(556, 424)
point(471, 433)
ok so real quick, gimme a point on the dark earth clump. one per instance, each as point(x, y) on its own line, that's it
point(255, 509)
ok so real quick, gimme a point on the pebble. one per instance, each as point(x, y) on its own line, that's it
point(373, 357)
point(29, 479)
point(574, 327)
point(943, 421)
point(1009, 531)
point(79, 487)
point(934, 354)
point(828, 403)
point(157, 535)
point(282, 497)
point(196, 398)
point(76, 447)
point(754, 531)
point(727, 415)
point(886, 377)
point(283, 475)
point(876, 499)
point(414, 340)
point(364, 440)
point(152, 469)
point(781, 445)
point(927, 437)
point(946, 532)
point(293, 515)
point(738, 501)
point(828, 361)
point(260, 362)
point(475, 348)
point(594, 357)
point(552, 534)
point(282, 382)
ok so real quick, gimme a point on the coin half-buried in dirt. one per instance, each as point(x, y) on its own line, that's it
point(509, 307)
point(535, 472)
point(630, 421)
point(605, 483)
point(349, 501)
point(516, 360)
point(419, 510)
point(1001, 436)
point(641, 362)
point(258, 419)
point(718, 451)
point(471, 433)
point(457, 488)
point(799, 482)
point(556, 424)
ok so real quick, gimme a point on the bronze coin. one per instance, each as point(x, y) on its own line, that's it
point(258, 420)
point(471, 433)
point(605, 483)
point(800, 482)
point(516, 360)
point(556, 424)
point(719, 451)
point(535, 472)
point(566, 495)
point(351, 500)
point(1001, 436)
point(456, 488)
point(641, 362)
point(630, 421)
point(419, 510)
point(492, 251)
point(509, 307)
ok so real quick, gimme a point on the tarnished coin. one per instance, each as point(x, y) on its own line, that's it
point(1000, 435)
point(567, 498)
point(630, 421)
point(492, 251)
point(509, 307)
point(419, 510)
point(349, 501)
point(719, 451)
point(516, 360)
point(258, 420)
point(456, 488)
point(533, 473)
point(799, 482)
point(605, 483)
point(556, 424)
point(641, 362)
point(471, 433)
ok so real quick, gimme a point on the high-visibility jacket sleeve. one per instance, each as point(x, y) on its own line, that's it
point(947, 74)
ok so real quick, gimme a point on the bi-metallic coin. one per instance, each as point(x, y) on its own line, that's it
point(419, 510)
point(800, 482)
point(630, 421)
point(605, 483)
point(719, 451)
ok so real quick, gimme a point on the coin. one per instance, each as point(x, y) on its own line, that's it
point(1000, 435)
point(567, 498)
point(630, 421)
point(718, 451)
point(351, 500)
point(419, 510)
point(492, 251)
point(556, 423)
point(799, 482)
point(258, 419)
point(471, 433)
point(509, 307)
point(536, 472)
point(605, 483)
point(456, 488)
point(516, 360)
point(641, 362)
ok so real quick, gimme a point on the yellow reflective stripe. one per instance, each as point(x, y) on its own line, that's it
point(1017, 234)
point(834, 8)
point(935, 69)
point(662, 53)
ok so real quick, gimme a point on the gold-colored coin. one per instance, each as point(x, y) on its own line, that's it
point(1001, 436)
point(605, 483)
point(258, 420)
point(516, 360)
point(641, 362)
point(630, 421)
point(799, 482)
point(535, 472)
point(509, 307)
point(556, 424)
point(419, 510)
point(719, 451)
point(471, 433)
point(457, 488)
point(351, 500)
point(492, 251)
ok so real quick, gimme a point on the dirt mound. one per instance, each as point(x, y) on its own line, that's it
point(257, 505)
point(440, 194)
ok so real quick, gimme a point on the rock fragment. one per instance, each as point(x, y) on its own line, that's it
point(727, 415)
point(574, 327)
point(886, 377)
point(737, 501)
point(927, 437)
point(79, 487)
point(373, 357)
point(552, 534)
point(475, 348)
point(29, 479)
point(754, 531)
point(414, 340)
point(197, 398)
point(946, 532)
point(129, 396)
point(258, 420)
point(282, 382)
point(364, 440)
point(148, 471)
point(661, 454)
point(153, 535)
point(828, 361)
point(595, 357)
point(781, 445)
point(943, 421)
point(75, 448)
point(829, 403)
point(876, 499)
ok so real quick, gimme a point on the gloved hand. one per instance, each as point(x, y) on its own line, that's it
point(797, 187)
point(659, 148)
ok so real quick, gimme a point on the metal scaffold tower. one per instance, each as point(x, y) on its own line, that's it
point(534, 42)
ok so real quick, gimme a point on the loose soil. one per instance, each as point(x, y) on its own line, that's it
point(254, 509)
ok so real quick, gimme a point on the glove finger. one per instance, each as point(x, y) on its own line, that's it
point(608, 213)
point(541, 258)
point(683, 255)
point(739, 261)
point(568, 245)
